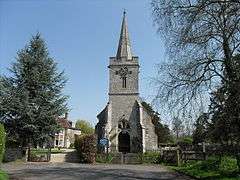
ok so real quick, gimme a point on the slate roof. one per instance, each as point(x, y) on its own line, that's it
point(64, 123)
point(124, 46)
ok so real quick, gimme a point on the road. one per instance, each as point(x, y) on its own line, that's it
point(72, 171)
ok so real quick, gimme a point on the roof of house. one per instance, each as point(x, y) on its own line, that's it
point(63, 122)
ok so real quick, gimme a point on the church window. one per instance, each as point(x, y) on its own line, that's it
point(124, 82)
point(123, 72)
point(120, 126)
point(146, 131)
point(123, 124)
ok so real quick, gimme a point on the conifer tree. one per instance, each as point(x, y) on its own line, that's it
point(225, 112)
point(31, 99)
point(200, 131)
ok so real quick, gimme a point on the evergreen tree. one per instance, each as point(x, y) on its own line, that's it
point(31, 99)
point(200, 131)
point(225, 109)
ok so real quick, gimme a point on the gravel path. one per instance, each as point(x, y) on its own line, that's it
point(71, 171)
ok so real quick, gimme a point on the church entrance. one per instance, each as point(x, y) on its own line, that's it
point(124, 142)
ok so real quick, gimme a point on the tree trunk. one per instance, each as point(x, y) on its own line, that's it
point(29, 152)
point(228, 60)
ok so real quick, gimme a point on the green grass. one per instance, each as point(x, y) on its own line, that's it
point(3, 175)
point(103, 158)
point(44, 151)
point(211, 169)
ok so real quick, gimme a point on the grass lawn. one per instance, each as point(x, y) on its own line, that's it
point(211, 169)
point(3, 175)
point(44, 151)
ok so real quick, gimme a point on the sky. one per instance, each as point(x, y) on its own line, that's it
point(81, 36)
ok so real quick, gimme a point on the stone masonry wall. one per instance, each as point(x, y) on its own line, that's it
point(151, 139)
point(123, 107)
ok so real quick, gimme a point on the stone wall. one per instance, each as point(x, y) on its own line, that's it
point(122, 107)
point(120, 158)
point(12, 154)
point(115, 80)
point(70, 156)
point(151, 139)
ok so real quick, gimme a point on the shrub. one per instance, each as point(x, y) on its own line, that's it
point(185, 141)
point(2, 141)
point(151, 157)
point(71, 146)
point(104, 158)
point(228, 166)
point(86, 148)
point(211, 164)
point(3, 175)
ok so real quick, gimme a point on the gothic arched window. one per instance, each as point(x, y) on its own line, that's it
point(123, 124)
point(124, 82)
point(123, 72)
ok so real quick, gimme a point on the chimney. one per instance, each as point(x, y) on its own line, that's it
point(66, 115)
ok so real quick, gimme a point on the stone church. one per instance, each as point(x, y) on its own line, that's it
point(124, 121)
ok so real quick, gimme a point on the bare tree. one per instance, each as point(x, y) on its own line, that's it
point(177, 127)
point(202, 37)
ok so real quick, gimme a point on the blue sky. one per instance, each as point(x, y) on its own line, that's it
point(81, 36)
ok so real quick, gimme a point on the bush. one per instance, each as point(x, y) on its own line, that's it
point(150, 157)
point(211, 164)
point(104, 158)
point(185, 141)
point(228, 166)
point(3, 175)
point(2, 141)
point(71, 146)
point(86, 148)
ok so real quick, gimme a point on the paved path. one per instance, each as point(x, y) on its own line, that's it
point(71, 171)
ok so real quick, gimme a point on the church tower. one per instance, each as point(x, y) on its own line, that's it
point(122, 121)
point(123, 68)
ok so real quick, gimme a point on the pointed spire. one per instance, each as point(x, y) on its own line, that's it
point(124, 46)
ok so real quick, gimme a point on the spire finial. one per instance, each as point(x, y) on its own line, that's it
point(124, 46)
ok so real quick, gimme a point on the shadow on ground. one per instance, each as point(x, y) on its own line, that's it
point(91, 173)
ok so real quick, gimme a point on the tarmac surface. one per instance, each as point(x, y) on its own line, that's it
point(71, 171)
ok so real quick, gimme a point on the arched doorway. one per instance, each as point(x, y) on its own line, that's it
point(124, 142)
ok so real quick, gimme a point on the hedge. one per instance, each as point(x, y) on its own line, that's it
point(2, 141)
point(86, 146)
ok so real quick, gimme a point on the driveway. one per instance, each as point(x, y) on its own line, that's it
point(71, 171)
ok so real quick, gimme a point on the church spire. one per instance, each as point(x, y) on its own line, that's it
point(124, 46)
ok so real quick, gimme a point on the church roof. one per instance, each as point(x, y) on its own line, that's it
point(102, 116)
point(124, 46)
